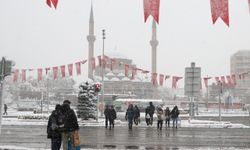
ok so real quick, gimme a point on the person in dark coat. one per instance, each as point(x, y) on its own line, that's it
point(137, 115)
point(70, 125)
point(130, 116)
point(5, 110)
point(106, 113)
point(167, 116)
point(174, 115)
point(151, 112)
point(112, 117)
point(147, 116)
point(53, 128)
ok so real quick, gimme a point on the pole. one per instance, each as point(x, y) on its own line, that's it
point(207, 98)
point(97, 107)
point(220, 92)
point(48, 92)
point(103, 38)
point(1, 91)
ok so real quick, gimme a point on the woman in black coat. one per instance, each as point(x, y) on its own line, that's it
point(174, 115)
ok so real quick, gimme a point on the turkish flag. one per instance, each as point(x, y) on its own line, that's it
point(78, 68)
point(161, 79)
point(15, 76)
point(223, 80)
point(23, 74)
point(175, 79)
point(249, 5)
point(54, 2)
point(105, 60)
point(126, 69)
point(206, 81)
point(100, 60)
point(55, 72)
point(233, 77)
point(229, 81)
point(93, 63)
point(154, 78)
point(219, 8)
point(39, 74)
point(63, 71)
point(112, 63)
point(133, 73)
point(70, 69)
point(151, 7)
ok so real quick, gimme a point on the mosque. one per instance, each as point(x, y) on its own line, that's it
point(115, 83)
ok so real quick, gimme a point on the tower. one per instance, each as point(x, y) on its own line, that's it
point(91, 40)
point(154, 44)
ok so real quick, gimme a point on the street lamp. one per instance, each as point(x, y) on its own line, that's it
point(103, 38)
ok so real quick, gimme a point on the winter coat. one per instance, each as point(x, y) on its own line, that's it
point(130, 114)
point(175, 113)
point(112, 114)
point(137, 112)
point(54, 123)
point(151, 109)
point(167, 113)
point(70, 122)
point(106, 112)
point(160, 114)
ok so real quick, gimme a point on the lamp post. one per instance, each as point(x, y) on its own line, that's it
point(103, 38)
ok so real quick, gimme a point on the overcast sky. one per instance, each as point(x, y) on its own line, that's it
point(34, 35)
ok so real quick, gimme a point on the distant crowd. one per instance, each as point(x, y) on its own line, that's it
point(133, 116)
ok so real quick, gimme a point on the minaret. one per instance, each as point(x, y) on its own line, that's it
point(154, 44)
point(91, 40)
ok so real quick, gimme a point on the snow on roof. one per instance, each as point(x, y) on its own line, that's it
point(115, 54)
point(121, 75)
point(125, 79)
point(105, 79)
point(110, 74)
point(115, 79)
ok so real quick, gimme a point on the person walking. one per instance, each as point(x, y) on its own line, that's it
point(147, 116)
point(174, 115)
point(159, 117)
point(167, 116)
point(137, 115)
point(53, 128)
point(112, 117)
point(106, 113)
point(70, 125)
point(5, 109)
point(151, 112)
point(130, 116)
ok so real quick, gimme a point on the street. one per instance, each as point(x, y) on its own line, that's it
point(139, 138)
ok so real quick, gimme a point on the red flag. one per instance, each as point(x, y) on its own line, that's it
point(167, 76)
point(63, 71)
point(47, 70)
point(145, 71)
point(70, 69)
point(112, 62)
point(15, 76)
point(100, 60)
point(233, 77)
point(219, 8)
point(161, 79)
point(223, 80)
point(105, 60)
point(249, 5)
point(206, 81)
point(78, 68)
point(217, 79)
point(175, 79)
point(93, 63)
point(154, 79)
point(133, 73)
point(54, 2)
point(39, 74)
point(55, 72)
point(229, 80)
point(151, 7)
point(126, 69)
point(23, 74)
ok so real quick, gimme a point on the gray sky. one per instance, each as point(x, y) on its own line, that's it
point(34, 35)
